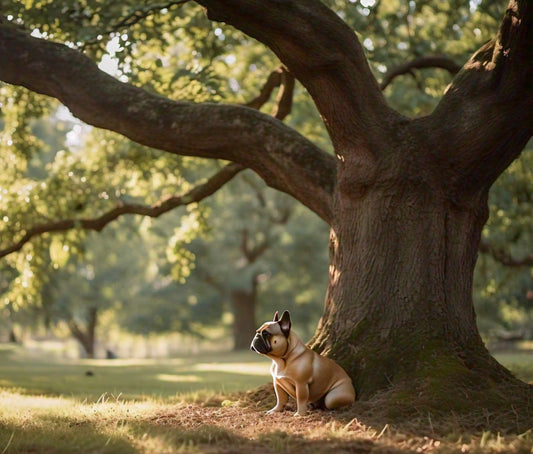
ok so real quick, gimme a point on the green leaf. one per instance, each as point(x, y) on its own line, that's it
point(59, 252)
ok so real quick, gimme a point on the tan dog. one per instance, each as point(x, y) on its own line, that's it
point(298, 371)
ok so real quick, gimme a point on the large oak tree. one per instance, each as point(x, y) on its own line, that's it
point(406, 199)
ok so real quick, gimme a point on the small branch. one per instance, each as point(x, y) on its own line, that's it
point(196, 194)
point(273, 81)
point(283, 216)
point(283, 79)
point(252, 253)
point(430, 61)
point(504, 257)
point(285, 94)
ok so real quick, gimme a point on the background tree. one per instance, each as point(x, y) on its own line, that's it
point(406, 199)
point(255, 235)
point(105, 276)
point(503, 293)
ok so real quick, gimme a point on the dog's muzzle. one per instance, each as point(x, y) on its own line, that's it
point(261, 343)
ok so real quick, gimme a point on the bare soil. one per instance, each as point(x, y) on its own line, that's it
point(242, 426)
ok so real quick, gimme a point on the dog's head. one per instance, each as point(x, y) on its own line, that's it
point(272, 338)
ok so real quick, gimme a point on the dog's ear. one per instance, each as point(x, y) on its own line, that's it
point(285, 323)
point(276, 317)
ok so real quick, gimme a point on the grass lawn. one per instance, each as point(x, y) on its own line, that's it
point(135, 379)
point(191, 405)
point(520, 363)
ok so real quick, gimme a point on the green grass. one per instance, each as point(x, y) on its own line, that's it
point(131, 379)
point(51, 406)
point(519, 362)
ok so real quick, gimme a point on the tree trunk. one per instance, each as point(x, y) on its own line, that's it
point(399, 315)
point(244, 303)
point(86, 338)
point(13, 337)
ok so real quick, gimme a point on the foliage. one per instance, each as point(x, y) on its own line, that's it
point(54, 168)
point(504, 293)
point(254, 243)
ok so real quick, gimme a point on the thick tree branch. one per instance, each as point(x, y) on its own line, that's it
point(488, 108)
point(325, 55)
point(165, 205)
point(429, 61)
point(280, 155)
point(504, 257)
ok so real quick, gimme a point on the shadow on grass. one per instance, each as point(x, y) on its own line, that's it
point(58, 437)
point(50, 435)
point(216, 439)
point(239, 430)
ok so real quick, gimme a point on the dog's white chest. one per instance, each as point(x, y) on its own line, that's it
point(278, 370)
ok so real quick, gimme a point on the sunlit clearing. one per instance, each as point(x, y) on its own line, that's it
point(179, 378)
point(131, 362)
point(14, 406)
point(14, 402)
point(236, 368)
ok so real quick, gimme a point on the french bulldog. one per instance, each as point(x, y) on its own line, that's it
point(298, 371)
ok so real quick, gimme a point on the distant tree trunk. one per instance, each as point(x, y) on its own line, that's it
point(244, 303)
point(86, 337)
point(12, 336)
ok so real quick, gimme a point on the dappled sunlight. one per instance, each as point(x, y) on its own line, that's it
point(13, 402)
point(179, 378)
point(262, 369)
point(131, 362)
point(131, 380)
point(57, 424)
point(203, 421)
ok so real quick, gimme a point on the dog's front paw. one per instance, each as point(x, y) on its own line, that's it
point(274, 410)
point(300, 413)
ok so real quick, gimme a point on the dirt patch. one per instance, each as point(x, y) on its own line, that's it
point(226, 425)
point(239, 429)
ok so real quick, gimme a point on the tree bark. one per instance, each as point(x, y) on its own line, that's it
point(399, 314)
